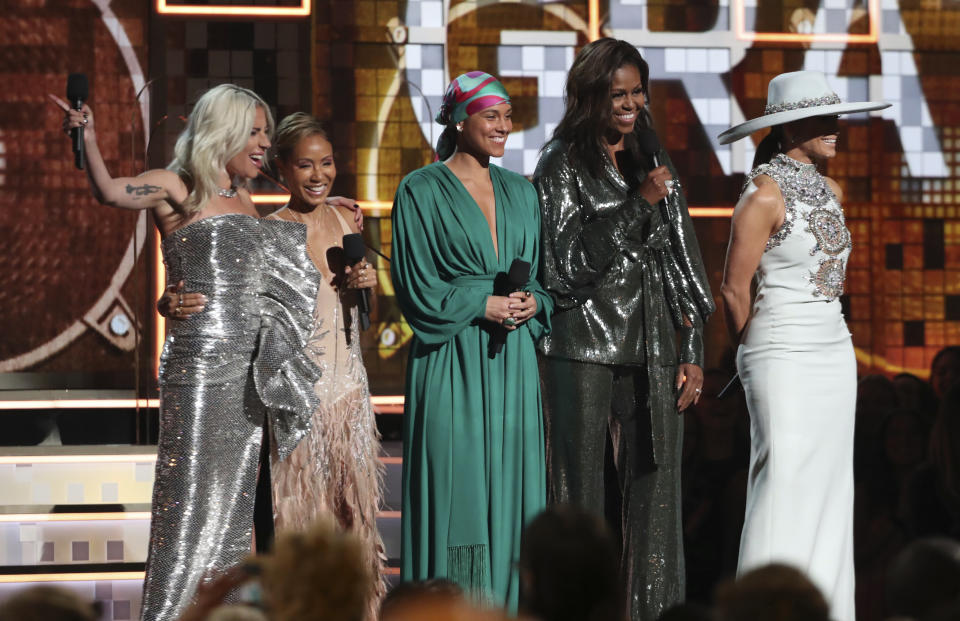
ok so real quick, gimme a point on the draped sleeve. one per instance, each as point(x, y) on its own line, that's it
point(685, 277)
point(436, 309)
point(283, 373)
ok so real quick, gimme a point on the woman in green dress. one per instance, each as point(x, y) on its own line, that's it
point(473, 456)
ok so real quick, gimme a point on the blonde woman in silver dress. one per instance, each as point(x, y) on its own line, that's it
point(219, 377)
point(335, 470)
point(795, 355)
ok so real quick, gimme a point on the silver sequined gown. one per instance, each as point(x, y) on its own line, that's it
point(799, 372)
point(224, 372)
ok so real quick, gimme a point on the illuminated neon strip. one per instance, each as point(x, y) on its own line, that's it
point(160, 277)
point(873, 17)
point(72, 577)
point(78, 404)
point(710, 212)
point(74, 517)
point(389, 514)
point(163, 8)
point(144, 458)
point(594, 12)
point(108, 459)
point(383, 208)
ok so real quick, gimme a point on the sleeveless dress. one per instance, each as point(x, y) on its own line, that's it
point(798, 369)
point(336, 470)
point(223, 373)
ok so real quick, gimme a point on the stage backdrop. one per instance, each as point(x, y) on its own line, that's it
point(375, 70)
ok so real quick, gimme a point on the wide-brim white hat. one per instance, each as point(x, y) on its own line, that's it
point(794, 96)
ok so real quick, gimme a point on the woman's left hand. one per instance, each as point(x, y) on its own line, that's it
point(524, 307)
point(690, 385)
point(349, 203)
point(360, 276)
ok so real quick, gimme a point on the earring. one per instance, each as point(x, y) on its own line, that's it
point(459, 127)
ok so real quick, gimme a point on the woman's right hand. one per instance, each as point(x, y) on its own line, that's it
point(656, 187)
point(500, 308)
point(175, 303)
point(75, 118)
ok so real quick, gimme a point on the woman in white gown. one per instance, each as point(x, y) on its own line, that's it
point(795, 355)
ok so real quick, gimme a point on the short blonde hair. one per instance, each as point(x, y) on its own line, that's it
point(217, 130)
point(319, 574)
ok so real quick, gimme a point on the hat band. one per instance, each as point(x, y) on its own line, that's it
point(826, 100)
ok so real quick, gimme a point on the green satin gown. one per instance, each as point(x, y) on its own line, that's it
point(473, 452)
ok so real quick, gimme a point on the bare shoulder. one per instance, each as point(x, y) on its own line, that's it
point(348, 214)
point(835, 187)
point(765, 197)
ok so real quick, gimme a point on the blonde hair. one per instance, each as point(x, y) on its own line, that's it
point(291, 130)
point(321, 574)
point(217, 130)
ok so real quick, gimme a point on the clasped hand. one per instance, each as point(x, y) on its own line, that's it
point(519, 306)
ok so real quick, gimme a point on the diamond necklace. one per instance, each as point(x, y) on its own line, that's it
point(227, 192)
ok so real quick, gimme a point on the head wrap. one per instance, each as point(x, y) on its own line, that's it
point(468, 94)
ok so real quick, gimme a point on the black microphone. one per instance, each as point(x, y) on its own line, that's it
point(353, 252)
point(649, 145)
point(505, 284)
point(78, 90)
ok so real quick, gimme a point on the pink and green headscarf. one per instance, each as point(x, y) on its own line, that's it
point(468, 94)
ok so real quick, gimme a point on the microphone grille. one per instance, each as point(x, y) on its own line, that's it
point(647, 141)
point(77, 88)
point(353, 247)
point(519, 272)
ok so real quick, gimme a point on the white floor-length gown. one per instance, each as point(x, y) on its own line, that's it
point(798, 369)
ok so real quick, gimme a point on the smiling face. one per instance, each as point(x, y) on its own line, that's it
point(813, 139)
point(249, 161)
point(627, 101)
point(485, 132)
point(309, 171)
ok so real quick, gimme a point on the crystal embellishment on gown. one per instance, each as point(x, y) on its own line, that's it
point(828, 227)
point(807, 197)
point(799, 182)
point(828, 280)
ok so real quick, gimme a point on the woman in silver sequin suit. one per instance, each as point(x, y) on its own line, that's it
point(240, 361)
point(795, 356)
point(625, 272)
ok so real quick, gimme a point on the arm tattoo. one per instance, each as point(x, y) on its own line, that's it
point(143, 190)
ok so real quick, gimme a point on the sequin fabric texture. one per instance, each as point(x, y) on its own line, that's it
point(809, 200)
point(629, 284)
point(212, 410)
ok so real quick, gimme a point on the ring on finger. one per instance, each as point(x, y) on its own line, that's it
point(698, 390)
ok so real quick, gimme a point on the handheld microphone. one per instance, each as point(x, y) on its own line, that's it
point(505, 284)
point(78, 90)
point(649, 145)
point(353, 251)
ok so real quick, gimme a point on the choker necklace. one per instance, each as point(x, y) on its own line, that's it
point(228, 192)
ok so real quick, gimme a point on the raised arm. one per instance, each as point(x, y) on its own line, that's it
point(756, 217)
point(152, 189)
